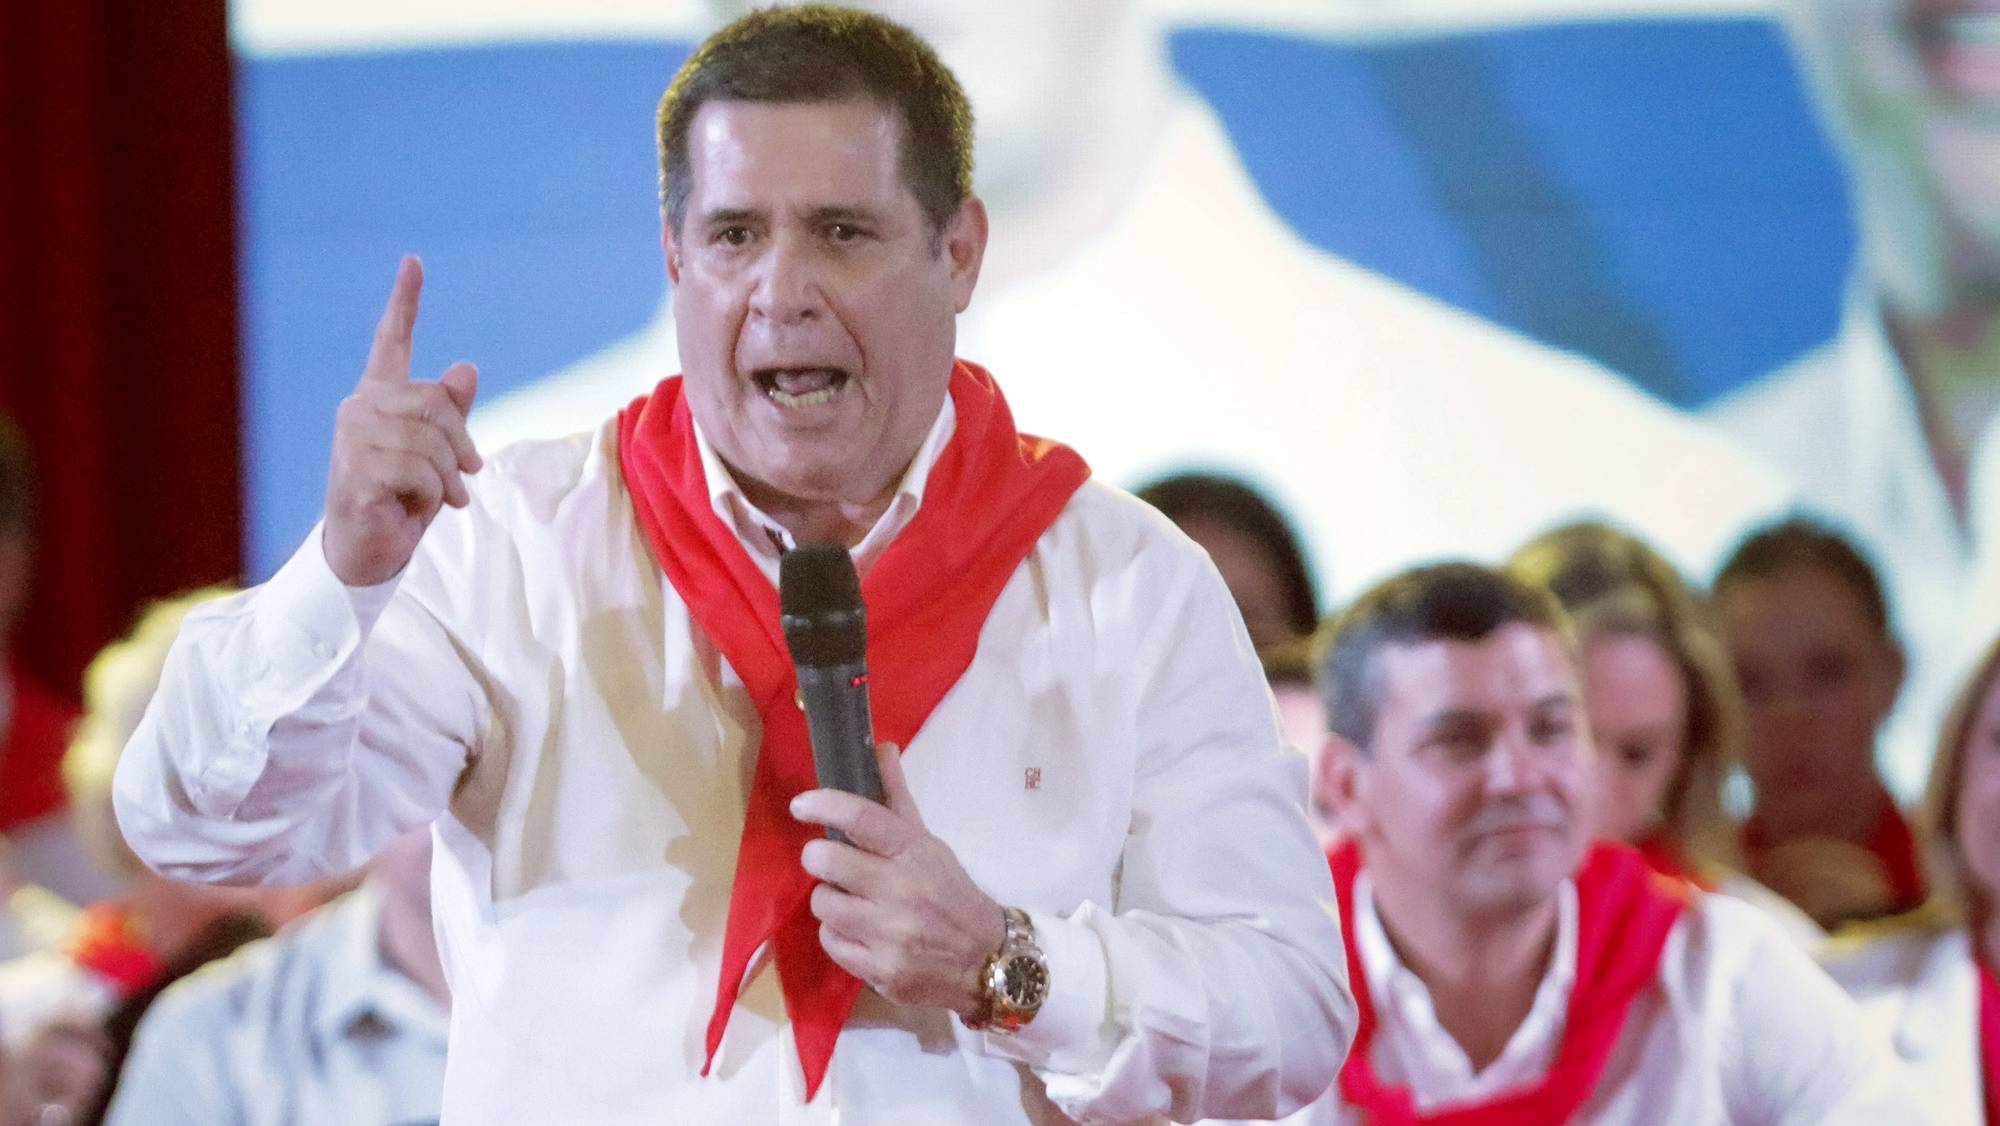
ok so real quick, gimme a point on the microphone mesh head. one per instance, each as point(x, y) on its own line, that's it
point(815, 578)
point(819, 599)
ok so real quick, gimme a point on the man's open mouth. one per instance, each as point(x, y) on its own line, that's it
point(796, 388)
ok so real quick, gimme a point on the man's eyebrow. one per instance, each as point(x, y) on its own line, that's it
point(1451, 717)
point(727, 216)
point(842, 213)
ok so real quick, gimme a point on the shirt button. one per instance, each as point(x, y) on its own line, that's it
point(322, 650)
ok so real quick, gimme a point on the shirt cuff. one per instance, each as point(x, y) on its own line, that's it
point(1071, 1033)
point(307, 626)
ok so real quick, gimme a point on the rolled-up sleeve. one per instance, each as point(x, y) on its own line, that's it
point(297, 728)
point(1216, 984)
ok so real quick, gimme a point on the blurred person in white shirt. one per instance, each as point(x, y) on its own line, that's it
point(1926, 980)
point(338, 1019)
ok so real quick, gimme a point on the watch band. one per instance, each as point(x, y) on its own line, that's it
point(1015, 978)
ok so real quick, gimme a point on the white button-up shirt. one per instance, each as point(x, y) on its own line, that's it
point(1740, 1029)
point(1413, 1050)
point(310, 1028)
point(530, 684)
point(1918, 987)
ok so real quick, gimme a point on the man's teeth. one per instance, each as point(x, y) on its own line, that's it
point(786, 399)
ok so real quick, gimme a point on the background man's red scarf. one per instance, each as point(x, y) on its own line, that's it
point(1625, 911)
point(991, 495)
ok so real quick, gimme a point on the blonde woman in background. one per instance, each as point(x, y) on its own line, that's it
point(1925, 979)
point(1665, 716)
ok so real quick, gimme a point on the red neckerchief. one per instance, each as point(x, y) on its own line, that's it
point(1989, 1032)
point(1666, 857)
point(1891, 842)
point(109, 943)
point(1625, 911)
point(38, 731)
point(991, 495)
point(1896, 846)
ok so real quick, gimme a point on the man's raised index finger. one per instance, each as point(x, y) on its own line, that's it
point(389, 355)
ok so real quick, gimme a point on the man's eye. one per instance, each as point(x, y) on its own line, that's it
point(1553, 729)
point(1460, 746)
point(733, 236)
point(844, 232)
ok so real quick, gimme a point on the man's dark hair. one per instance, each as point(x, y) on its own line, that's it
point(1439, 602)
point(1242, 509)
point(1288, 664)
point(822, 53)
point(17, 482)
point(1802, 542)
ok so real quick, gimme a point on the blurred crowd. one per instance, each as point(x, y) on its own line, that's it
point(1728, 733)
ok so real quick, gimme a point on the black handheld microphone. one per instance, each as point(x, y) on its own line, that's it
point(826, 628)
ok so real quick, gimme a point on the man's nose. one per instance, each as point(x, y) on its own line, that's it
point(789, 288)
point(1512, 765)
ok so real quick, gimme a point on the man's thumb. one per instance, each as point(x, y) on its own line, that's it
point(461, 382)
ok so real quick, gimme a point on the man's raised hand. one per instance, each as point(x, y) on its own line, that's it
point(400, 449)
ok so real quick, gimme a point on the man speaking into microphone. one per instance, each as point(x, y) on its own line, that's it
point(1089, 893)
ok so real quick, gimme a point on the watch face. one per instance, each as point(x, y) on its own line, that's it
point(1027, 981)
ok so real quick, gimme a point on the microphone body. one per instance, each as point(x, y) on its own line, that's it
point(826, 629)
point(843, 733)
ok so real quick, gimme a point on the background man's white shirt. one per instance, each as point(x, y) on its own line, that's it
point(1741, 1028)
point(1918, 989)
point(310, 1028)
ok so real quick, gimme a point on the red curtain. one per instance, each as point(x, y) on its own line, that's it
point(118, 349)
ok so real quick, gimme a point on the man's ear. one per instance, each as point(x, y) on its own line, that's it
point(670, 246)
point(1339, 784)
point(965, 247)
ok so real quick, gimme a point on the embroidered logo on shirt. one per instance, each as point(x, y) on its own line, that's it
point(1033, 778)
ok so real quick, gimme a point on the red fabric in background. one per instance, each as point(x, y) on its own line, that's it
point(1989, 1034)
point(31, 752)
point(118, 349)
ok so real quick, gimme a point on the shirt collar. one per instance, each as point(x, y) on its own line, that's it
point(1402, 999)
point(765, 539)
point(358, 986)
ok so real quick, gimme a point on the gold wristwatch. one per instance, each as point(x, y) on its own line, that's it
point(1015, 978)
